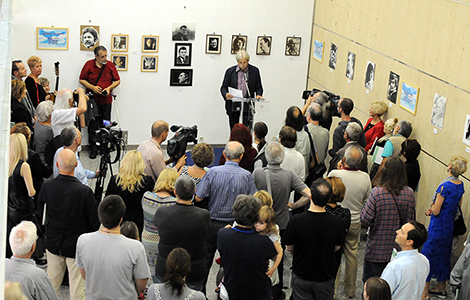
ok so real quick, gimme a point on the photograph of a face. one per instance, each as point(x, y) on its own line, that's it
point(333, 55)
point(213, 43)
point(370, 74)
point(119, 42)
point(183, 32)
point(238, 43)
point(183, 54)
point(392, 88)
point(149, 63)
point(263, 46)
point(181, 77)
point(350, 65)
point(293, 46)
point(438, 111)
point(150, 43)
point(89, 37)
point(120, 61)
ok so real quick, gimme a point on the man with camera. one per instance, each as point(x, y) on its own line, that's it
point(99, 76)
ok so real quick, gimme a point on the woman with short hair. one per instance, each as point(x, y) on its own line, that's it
point(43, 129)
point(203, 155)
point(377, 289)
point(35, 89)
point(374, 128)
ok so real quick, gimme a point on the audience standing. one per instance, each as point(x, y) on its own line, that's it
point(374, 128)
point(35, 89)
point(410, 150)
point(240, 133)
point(19, 112)
point(460, 276)
point(321, 99)
point(295, 119)
point(43, 133)
point(64, 114)
point(203, 156)
point(260, 131)
point(351, 135)
point(320, 135)
point(18, 71)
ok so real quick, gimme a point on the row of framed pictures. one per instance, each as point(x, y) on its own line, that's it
point(148, 63)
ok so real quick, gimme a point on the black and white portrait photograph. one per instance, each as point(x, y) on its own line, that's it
point(120, 61)
point(293, 45)
point(370, 74)
point(182, 54)
point(183, 31)
point(150, 43)
point(149, 63)
point(333, 54)
point(392, 88)
point(350, 65)
point(263, 46)
point(438, 111)
point(213, 43)
point(119, 42)
point(466, 131)
point(89, 37)
point(238, 43)
point(181, 77)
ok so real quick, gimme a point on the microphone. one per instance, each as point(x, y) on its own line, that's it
point(246, 76)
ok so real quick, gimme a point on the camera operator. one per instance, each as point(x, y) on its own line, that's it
point(322, 99)
point(64, 114)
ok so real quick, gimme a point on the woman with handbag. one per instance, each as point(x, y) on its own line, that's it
point(438, 247)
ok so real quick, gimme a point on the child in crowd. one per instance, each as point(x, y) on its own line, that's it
point(264, 197)
point(129, 229)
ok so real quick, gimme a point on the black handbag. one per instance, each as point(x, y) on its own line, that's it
point(315, 169)
point(459, 223)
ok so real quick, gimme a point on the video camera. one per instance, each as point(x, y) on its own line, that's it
point(178, 143)
point(109, 139)
point(332, 102)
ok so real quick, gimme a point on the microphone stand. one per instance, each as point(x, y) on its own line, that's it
point(251, 106)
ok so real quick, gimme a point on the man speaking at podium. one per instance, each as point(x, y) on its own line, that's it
point(246, 78)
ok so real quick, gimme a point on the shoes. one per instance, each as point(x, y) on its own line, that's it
point(93, 154)
point(440, 295)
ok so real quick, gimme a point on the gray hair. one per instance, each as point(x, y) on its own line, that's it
point(62, 101)
point(184, 188)
point(405, 128)
point(354, 131)
point(22, 238)
point(353, 156)
point(458, 165)
point(242, 55)
point(68, 135)
point(275, 153)
point(44, 110)
point(233, 150)
point(322, 98)
point(315, 111)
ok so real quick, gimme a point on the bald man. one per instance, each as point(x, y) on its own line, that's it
point(71, 211)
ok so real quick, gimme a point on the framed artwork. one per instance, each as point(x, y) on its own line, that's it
point(466, 131)
point(238, 43)
point(183, 54)
point(263, 45)
point(318, 49)
point(333, 55)
point(438, 111)
point(370, 75)
point(120, 61)
point(183, 32)
point(52, 38)
point(350, 65)
point(409, 97)
point(119, 42)
point(149, 63)
point(293, 45)
point(181, 77)
point(392, 88)
point(89, 37)
point(213, 43)
point(150, 43)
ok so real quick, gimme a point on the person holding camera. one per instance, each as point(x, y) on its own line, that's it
point(64, 114)
point(100, 78)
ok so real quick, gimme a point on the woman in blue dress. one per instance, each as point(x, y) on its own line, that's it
point(438, 247)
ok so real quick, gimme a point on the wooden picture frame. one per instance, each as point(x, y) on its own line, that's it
point(409, 97)
point(239, 42)
point(150, 43)
point(263, 45)
point(89, 37)
point(183, 52)
point(293, 44)
point(52, 38)
point(318, 46)
point(149, 63)
point(213, 43)
point(181, 77)
point(119, 42)
point(121, 61)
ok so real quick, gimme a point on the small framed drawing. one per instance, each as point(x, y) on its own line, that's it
point(409, 97)
point(181, 77)
point(149, 63)
point(238, 43)
point(318, 49)
point(213, 43)
point(120, 61)
point(52, 38)
point(119, 42)
point(438, 111)
point(89, 37)
point(263, 45)
point(293, 45)
point(183, 54)
point(150, 43)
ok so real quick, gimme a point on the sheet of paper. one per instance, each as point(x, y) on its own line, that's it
point(236, 93)
point(377, 158)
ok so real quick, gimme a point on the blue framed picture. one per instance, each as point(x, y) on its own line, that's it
point(409, 97)
point(318, 49)
point(52, 38)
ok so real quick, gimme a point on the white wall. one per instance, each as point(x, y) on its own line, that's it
point(146, 97)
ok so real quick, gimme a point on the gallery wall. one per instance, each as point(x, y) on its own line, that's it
point(426, 44)
point(145, 97)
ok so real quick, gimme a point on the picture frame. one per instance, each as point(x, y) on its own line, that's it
point(52, 38)
point(263, 45)
point(438, 111)
point(409, 97)
point(213, 43)
point(293, 45)
point(393, 86)
point(370, 76)
point(183, 53)
point(466, 131)
point(119, 42)
point(89, 37)
point(181, 32)
point(150, 43)
point(350, 65)
point(318, 46)
point(333, 56)
point(181, 77)
point(120, 60)
point(239, 42)
point(149, 63)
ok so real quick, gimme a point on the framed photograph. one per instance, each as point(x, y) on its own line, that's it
point(181, 77)
point(183, 32)
point(370, 75)
point(89, 37)
point(392, 88)
point(263, 45)
point(318, 49)
point(409, 97)
point(52, 38)
point(119, 42)
point(120, 61)
point(238, 43)
point(293, 45)
point(183, 54)
point(333, 55)
point(213, 43)
point(150, 43)
point(466, 131)
point(350, 65)
point(438, 111)
point(149, 63)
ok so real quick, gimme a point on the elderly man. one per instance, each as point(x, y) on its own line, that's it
point(71, 211)
point(358, 188)
point(352, 133)
point(244, 77)
point(319, 134)
point(18, 71)
point(64, 114)
point(152, 151)
point(321, 99)
point(21, 268)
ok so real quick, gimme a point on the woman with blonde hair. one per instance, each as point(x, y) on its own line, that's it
point(131, 184)
point(163, 195)
point(374, 128)
point(35, 89)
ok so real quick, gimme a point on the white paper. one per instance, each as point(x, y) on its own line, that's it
point(377, 158)
point(235, 93)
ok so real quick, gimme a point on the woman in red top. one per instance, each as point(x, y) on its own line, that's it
point(375, 126)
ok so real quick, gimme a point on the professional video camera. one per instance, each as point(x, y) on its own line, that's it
point(332, 103)
point(178, 143)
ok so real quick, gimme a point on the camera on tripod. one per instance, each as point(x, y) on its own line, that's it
point(178, 143)
point(332, 102)
point(109, 139)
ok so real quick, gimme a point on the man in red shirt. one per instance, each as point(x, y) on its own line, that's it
point(100, 77)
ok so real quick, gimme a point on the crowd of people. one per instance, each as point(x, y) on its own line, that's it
point(156, 232)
